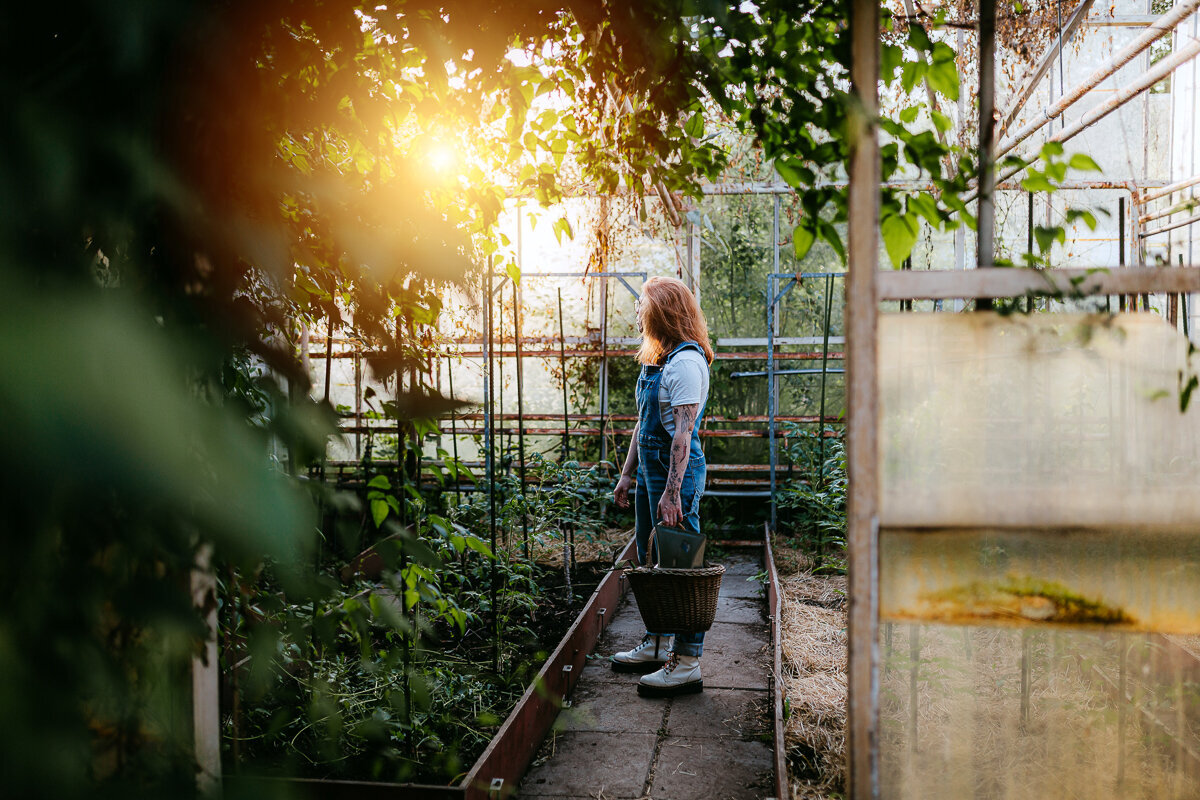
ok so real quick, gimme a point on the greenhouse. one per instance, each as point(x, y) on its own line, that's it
point(776, 399)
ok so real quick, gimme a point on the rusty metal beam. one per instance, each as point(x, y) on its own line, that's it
point(719, 356)
point(1170, 211)
point(1017, 281)
point(711, 468)
point(715, 418)
point(503, 763)
point(720, 433)
point(1170, 226)
point(1170, 189)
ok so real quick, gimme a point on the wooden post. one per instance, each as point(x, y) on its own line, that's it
point(206, 677)
point(862, 406)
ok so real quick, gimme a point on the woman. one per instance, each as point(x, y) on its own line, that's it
point(665, 453)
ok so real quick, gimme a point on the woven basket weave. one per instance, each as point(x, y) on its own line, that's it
point(676, 600)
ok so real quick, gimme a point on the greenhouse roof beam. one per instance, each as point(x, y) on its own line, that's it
point(1171, 189)
point(1017, 103)
point(1170, 226)
point(1161, 27)
point(1147, 79)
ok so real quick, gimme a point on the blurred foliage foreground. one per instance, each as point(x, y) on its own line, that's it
point(188, 189)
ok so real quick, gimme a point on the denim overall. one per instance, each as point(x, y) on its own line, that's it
point(654, 460)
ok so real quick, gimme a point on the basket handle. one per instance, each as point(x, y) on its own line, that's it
point(651, 543)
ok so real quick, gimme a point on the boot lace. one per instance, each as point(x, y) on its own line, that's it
point(672, 662)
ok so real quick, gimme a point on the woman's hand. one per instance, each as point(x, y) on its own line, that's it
point(668, 509)
point(621, 493)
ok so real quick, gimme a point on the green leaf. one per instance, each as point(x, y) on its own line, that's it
point(941, 121)
point(909, 114)
point(1047, 236)
point(380, 482)
point(899, 236)
point(1050, 150)
point(793, 172)
point(891, 56)
point(802, 240)
point(695, 126)
point(918, 39)
point(926, 206)
point(1083, 163)
point(1037, 182)
point(379, 510)
point(1088, 217)
point(943, 71)
point(830, 234)
point(563, 227)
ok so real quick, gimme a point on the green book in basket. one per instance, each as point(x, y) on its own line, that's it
point(678, 548)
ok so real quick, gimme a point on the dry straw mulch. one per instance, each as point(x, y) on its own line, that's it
point(814, 675)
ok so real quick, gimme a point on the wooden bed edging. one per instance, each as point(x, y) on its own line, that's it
point(775, 611)
point(498, 771)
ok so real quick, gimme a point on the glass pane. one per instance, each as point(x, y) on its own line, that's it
point(1010, 714)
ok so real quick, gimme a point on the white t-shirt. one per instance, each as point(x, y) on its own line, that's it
point(684, 382)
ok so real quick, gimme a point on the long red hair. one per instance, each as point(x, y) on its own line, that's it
point(670, 316)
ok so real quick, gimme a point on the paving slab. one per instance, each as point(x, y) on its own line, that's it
point(614, 744)
point(597, 707)
point(736, 656)
point(745, 610)
point(735, 584)
point(721, 714)
point(585, 763)
point(741, 564)
point(713, 770)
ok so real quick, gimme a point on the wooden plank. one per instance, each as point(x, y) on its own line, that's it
point(1018, 281)
point(206, 680)
point(318, 789)
point(862, 302)
point(775, 607)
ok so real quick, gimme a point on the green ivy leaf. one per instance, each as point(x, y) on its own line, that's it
point(943, 71)
point(899, 236)
point(379, 511)
point(1050, 150)
point(1047, 236)
point(1037, 182)
point(891, 56)
point(1084, 163)
point(802, 241)
point(563, 227)
point(695, 126)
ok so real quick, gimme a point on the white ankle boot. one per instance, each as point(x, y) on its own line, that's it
point(680, 675)
point(646, 657)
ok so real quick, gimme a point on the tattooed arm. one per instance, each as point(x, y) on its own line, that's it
point(681, 448)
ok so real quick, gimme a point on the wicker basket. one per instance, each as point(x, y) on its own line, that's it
point(676, 600)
